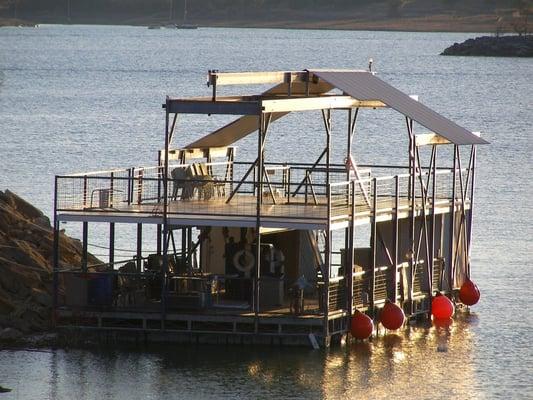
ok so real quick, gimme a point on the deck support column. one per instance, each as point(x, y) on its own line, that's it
point(327, 272)
point(164, 267)
point(139, 247)
point(433, 222)
point(55, 255)
point(183, 245)
point(348, 274)
point(349, 261)
point(259, 180)
point(189, 248)
point(112, 245)
point(352, 250)
point(85, 238)
point(374, 243)
point(412, 211)
point(329, 242)
point(159, 239)
point(395, 239)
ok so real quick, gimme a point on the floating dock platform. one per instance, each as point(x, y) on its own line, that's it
point(269, 251)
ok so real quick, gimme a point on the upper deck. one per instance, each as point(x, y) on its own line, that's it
point(189, 188)
point(295, 196)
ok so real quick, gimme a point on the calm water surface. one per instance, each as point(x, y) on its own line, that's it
point(76, 98)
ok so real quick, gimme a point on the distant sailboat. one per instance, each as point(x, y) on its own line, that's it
point(172, 25)
point(184, 24)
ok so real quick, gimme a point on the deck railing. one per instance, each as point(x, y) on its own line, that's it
point(285, 189)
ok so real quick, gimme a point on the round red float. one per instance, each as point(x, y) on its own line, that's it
point(469, 293)
point(442, 307)
point(361, 326)
point(391, 316)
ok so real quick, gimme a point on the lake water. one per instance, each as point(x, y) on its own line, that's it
point(79, 98)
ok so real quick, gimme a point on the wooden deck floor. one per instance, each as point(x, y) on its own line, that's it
point(241, 211)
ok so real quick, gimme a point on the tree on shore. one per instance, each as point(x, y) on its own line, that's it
point(521, 16)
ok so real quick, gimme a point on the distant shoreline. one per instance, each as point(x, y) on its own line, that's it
point(471, 24)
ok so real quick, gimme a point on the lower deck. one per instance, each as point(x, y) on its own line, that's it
point(208, 327)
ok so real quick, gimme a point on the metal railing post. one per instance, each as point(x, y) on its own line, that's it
point(374, 244)
point(55, 254)
point(327, 264)
point(395, 244)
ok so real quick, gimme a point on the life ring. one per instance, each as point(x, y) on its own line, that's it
point(244, 261)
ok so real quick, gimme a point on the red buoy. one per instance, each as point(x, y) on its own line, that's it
point(361, 326)
point(391, 316)
point(469, 293)
point(442, 307)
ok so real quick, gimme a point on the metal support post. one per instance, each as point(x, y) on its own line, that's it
point(374, 243)
point(85, 238)
point(433, 220)
point(139, 247)
point(395, 239)
point(327, 270)
point(165, 220)
point(412, 211)
point(55, 252)
point(350, 262)
point(112, 245)
point(159, 239)
point(260, 166)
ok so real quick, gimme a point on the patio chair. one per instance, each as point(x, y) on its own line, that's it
point(180, 180)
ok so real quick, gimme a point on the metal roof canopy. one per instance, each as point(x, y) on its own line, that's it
point(366, 86)
point(306, 90)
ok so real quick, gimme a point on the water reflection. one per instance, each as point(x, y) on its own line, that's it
point(425, 362)
point(422, 362)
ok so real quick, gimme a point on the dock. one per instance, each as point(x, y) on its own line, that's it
point(265, 251)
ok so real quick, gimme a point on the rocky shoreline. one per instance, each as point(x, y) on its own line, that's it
point(493, 46)
point(26, 264)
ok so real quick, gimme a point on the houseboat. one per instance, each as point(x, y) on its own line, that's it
point(272, 251)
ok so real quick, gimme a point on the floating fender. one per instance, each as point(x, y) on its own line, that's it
point(469, 293)
point(442, 307)
point(392, 316)
point(244, 261)
point(361, 326)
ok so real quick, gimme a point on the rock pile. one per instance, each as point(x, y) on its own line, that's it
point(501, 46)
point(26, 262)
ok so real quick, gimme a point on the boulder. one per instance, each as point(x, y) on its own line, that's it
point(22, 206)
point(26, 262)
